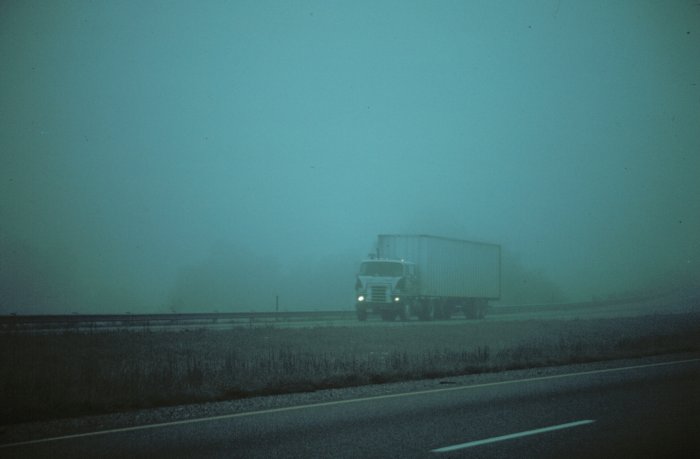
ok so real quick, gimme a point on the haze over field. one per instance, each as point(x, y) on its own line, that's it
point(161, 156)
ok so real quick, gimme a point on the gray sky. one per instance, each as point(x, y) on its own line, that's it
point(136, 138)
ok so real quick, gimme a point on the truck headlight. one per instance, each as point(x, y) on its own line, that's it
point(397, 299)
point(361, 298)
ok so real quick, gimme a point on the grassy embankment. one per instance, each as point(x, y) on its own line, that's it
point(73, 374)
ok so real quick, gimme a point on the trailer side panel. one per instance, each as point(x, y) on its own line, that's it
point(448, 267)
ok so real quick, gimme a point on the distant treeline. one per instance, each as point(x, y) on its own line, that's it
point(232, 278)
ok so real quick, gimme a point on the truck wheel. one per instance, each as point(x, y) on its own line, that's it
point(361, 314)
point(427, 312)
point(405, 313)
point(443, 310)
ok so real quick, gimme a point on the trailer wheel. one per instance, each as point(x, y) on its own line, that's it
point(471, 310)
point(444, 311)
point(476, 309)
point(405, 313)
point(483, 306)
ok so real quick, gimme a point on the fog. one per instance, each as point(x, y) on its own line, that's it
point(172, 156)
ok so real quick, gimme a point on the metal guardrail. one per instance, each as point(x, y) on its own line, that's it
point(197, 316)
point(544, 307)
point(81, 321)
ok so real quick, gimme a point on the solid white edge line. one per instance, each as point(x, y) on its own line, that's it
point(526, 433)
point(341, 402)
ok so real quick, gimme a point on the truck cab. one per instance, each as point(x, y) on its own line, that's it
point(385, 286)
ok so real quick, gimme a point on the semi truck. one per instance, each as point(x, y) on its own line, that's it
point(427, 277)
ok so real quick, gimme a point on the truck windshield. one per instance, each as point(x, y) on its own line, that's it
point(381, 268)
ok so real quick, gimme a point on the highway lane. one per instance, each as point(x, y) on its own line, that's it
point(650, 410)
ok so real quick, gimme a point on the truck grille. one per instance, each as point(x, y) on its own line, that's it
point(378, 294)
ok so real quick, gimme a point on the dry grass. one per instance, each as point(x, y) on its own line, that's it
point(73, 374)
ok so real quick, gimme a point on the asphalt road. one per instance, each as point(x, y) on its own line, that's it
point(649, 410)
